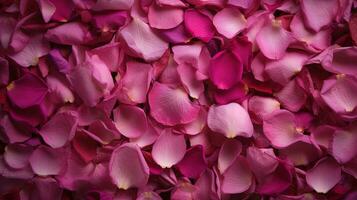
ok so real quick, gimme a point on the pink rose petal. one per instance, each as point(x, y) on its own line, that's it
point(229, 22)
point(47, 161)
point(199, 25)
point(164, 17)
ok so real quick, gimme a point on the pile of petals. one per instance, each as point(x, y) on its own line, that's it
point(178, 99)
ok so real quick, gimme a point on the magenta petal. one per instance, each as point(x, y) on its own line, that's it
point(230, 120)
point(236, 93)
point(262, 161)
point(111, 54)
point(27, 91)
point(169, 149)
point(300, 153)
point(193, 163)
point(341, 61)
point(113, 5)
point(196, 126)
point(142, 41)
point(17, 155)
point(47, 9)
point(130, 120)
point(73, 33)
point(280, 128)
point(225, 69)
point(176, 35)
point(59, 129)
point(238, 177)
point(324, 175)
point(262, 106)
point(46, 188)
point(147, 138)
point(11, 131)
point(273, 40)
point(343, 144)
point(164, 17)
point(228, 153)
point(47, 161)
point(4, 71)
point(199, 25)
point(128, 167)
point(319, 14)
point(59, 61)
point(292, 96)
point(322, 135)
point(229, 22)
point(171, 106)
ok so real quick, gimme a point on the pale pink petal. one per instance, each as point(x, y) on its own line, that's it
point(128, 167)
point(319, 14)
point(161, 17)
point(72, 33)
point(171, 106)
point(147, 138)
point(292, 96)
point(183, 190)
point(47, 161)
point(199, 25)
point(238, 177)
point(261, 106)
point(343, 145)
point(282, 70)
point(228, 153)
point(27, 91)
point(17, 155)
point(261, 161)
point(136, 81)
point(30, 54)
point(193, 163)
point(229, 22)
point(273, 39)
point(169, 149)
point(113, 5)
point(230, 120)
point(130, 120)
point(300, 153)
point(141, 41)
point(194, 86)
point(324, 175)
point(225, 70)
point(60, 129)
point(340, 94)
point(280, 128)
point(200, 3)
point(196, 126)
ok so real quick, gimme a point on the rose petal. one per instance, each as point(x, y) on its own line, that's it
point(228, 153)
point(113, 5)
point(301, 153)
point(262, 161)
point(111, 54)
point(128, 167)
point(236, 93)
point(262, 106)
point(199, 25)
point(161, 17)
point(194, 86)
point(17, 155)
point(72, 33)
point(130, 120)
point(292, 96)
point(229, 22)
point(47, 161)
point(171, 106)
point(169, 149)
point(324, 175)
point(142, 41)
point(280, 128)
point(13, 132)
point(319, 14)
point(193, 163)
point(343, 144)
point(59, 129)
point(238, 177)
point(230, 120)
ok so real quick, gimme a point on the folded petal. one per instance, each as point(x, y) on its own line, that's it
point(17, 155)
point(283, 69)
point(103, 131)
point(324, 175)
point(262, 106)
point(60, 129)
point(72, 33)
point(147, 138)
point(229, 22)
point(196, 126)
point(292, 96)
point(59, 89)
point(228, 153)
point(237, 93)
point(341, 61)
point(273, 39)
point(47, 161)
point(262, 161)
point(171, 106)
point(128, 167)
point(141, 41)
point(187, 74)
point(280, 128)
point(136, 81)
point(230, 120)
point(162, 17)
point(130, 120)
point(111, 54)
point(343, 144)
point(59, 62)
point(319, 14)
point(300, 153)
point(193, 163)
point(225, 69)
point(238, 177)
point(30, 54)
point(175, 35)
point(199, 25)
point(27, 91)
point(169, 149)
